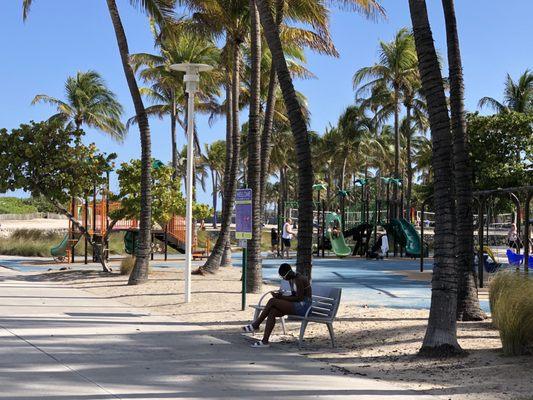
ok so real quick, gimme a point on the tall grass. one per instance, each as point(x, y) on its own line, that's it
point(37, 243)
point(511, 303)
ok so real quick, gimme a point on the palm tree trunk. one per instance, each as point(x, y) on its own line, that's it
point(173, 113)
point(301, 139)
point(255, 278)
point(139, 274)
point(266, 137)
point(441, 333)
point(213, 262)
point(396, 150)
point(468, 308)
point(214, 183)
point(409, 161)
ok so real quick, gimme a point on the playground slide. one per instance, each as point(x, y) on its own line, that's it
point(60, 251)
point(338, 244)
point(412, 238)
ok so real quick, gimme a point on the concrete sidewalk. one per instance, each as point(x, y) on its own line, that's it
point(58, 342)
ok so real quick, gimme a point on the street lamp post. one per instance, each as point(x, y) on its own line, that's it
point(191, 80)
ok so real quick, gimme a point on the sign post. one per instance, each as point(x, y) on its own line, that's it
point(243, 230)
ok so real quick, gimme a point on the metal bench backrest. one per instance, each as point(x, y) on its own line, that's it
point(326, 300)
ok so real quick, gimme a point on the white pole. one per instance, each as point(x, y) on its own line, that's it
point(191, 82)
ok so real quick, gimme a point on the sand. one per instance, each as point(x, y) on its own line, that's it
point(380, 343)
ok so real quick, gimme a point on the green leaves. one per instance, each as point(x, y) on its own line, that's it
point(49, 159)
point(167, 198)
point(502, 149)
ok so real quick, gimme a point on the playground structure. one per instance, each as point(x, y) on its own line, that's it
point(93, 216)
point(521, 197)
point(363, 220)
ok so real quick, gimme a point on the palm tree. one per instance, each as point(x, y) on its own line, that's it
point(468, 308)
point(253, 284)
point(415, 121)
point(299, 128)
point(225, 18)
point(423, 151)
point(88, 102)
point(214, 156)
point(159, 10)
point(177, 45)
point(352, 127)
point(517, 96)
point(388, 79)
point(441, 333)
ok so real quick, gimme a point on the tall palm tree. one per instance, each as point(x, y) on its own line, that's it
point(415, 121)
point(228, 19)
point(214, 157)
point(517, 96)
point(352, 127)
point(88, 102)
point(441, 333)
point(299, 128)
point(468, 308)
point(159, 10)
point(386, 81)
point(177, 45)
point(254, 283)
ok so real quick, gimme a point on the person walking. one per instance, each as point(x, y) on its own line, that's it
point(286, 236)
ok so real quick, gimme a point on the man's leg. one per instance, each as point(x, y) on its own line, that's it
point(264, 313)
point(279, 309)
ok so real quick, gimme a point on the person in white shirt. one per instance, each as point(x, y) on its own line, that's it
point(384, 246)
point(286, 236)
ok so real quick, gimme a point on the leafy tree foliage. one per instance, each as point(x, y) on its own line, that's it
point(47, 159)
point(502, 149)
point(167, 198)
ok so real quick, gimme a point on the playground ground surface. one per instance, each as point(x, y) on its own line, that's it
point(380, 325)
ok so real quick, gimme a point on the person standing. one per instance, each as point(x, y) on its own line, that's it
point(286, 236)
point(512, 237)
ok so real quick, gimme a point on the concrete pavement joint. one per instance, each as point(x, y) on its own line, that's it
point(59, 362)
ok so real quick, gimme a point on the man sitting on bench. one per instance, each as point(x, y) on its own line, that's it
point(280, 305)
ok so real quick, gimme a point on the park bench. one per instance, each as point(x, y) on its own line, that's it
point(323, 310)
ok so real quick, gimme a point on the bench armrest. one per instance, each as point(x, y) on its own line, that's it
point(259, 303)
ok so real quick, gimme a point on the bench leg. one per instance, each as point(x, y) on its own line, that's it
point(331, 334)
point(302, 332)
point(256, 313)
point(282, 320)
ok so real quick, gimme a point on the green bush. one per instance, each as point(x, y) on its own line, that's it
point(126, 265)
point(41, 204)
point(511, 303)
point(14, 205)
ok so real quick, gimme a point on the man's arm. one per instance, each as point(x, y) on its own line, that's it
point(299, 296)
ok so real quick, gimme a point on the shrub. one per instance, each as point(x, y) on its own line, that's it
point(511, 303)
point(126, 265)
point(14, 205)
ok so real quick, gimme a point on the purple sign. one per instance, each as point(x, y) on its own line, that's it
point(243, 214)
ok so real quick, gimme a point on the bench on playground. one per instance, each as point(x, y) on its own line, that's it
point(323, 310)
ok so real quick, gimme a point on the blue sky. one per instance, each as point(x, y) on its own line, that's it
point(64, 36)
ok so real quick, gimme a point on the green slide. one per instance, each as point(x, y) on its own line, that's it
point(338, 245)
point(412, 238)
point(130, 239)
point(60, 250)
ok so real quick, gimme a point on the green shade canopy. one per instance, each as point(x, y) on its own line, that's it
point(320, 186)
